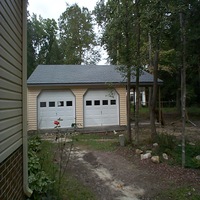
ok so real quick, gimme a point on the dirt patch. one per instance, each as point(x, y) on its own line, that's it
point(113, 175)
point(121, 175)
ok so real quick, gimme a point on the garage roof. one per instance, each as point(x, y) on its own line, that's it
point(83, 74)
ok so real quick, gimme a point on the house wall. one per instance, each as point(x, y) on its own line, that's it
point(12, 76)
point(79, 92)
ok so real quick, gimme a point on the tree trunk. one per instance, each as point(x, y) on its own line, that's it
point(129, 104)
point(154, 95)
point(137, 74)
point(183, 85)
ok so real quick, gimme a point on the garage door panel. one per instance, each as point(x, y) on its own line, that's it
point(101, 108)
point(56, 104)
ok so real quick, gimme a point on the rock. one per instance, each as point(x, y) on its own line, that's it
point(145, 156)
point(138, 151)
point(122, 140)
point(165, 156)
point(155, 159)
point(198, 157)
point(148, 151)
point(155, 144)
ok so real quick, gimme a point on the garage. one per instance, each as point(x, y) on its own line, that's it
point(55, 104)
point(101, 108)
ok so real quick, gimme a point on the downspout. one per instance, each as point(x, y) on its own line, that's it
point(26, 188)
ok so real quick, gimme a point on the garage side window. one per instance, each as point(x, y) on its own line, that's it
point(88, 103)
point(113, 102)
point(105, 102)
point(60, 103)
point(69, 103)
point(96, 102)
point(52, 104)
point(43, 104)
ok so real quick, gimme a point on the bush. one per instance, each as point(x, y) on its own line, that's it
point(39, 181)
point(170, 145)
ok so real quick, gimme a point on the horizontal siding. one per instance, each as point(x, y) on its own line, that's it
point(79, 93)
point(10, 149)
point(11, 74)
point(11, 20)
point(32, 108)
point(6, 143)
point(122, 100)
point(5, 114)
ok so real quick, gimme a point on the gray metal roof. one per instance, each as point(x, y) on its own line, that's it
point(82, 74)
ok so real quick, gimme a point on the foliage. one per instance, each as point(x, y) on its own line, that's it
point(39, 181)
point(77, 37)
point(170, 145)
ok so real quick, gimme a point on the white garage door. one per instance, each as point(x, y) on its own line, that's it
point(54, 104)
point(101, 108)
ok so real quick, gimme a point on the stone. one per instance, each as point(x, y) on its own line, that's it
point(148, 151)
point(122, 140)
point(138, 151)
point(198, 157)
point(155, 144)
point(155, 159)
point(145, 156)
point(165, 156)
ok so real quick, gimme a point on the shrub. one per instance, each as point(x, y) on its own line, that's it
point(39, 181)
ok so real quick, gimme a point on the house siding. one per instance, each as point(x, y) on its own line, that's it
point(12, 76)
point(79, 92)
point(11, 62)
point(122, 105)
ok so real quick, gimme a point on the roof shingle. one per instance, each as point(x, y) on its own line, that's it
point(82, 74)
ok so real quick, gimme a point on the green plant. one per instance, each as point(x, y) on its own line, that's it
point(39, 181)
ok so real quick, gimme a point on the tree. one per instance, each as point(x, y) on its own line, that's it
point(43, 47)
point(77, 37)
point(120, 21)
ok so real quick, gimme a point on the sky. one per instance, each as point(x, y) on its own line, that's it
point(54, 8)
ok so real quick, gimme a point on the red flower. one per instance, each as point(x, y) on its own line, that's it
point(56, 123)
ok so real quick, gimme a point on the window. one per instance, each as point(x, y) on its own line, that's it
point(60, 103)
point(113, 102)
point(43, 104)
point(69, 103)
point(88, 103)
point(105, 102)
point(51, 104)
point(96, 102)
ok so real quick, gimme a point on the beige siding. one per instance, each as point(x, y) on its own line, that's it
point(79, 93)
point(11, 76)
point(32, 108)
point(122, 108)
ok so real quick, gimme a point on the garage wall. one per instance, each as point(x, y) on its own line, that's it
point(79, 92)
point(32, 108)
point(122, 109)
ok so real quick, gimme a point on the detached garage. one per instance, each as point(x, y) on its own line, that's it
point(88, 95)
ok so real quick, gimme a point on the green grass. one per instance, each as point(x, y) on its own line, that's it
point(182, 193)
point(170, 145)
point(97, 141)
